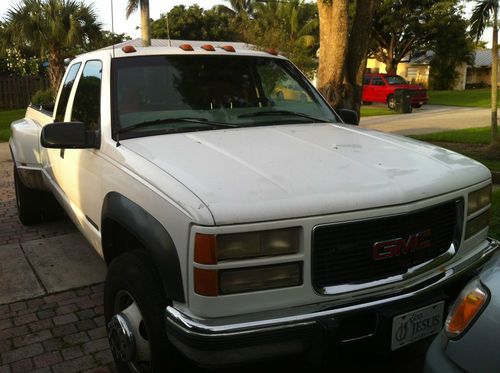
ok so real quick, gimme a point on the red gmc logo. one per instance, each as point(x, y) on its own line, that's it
point(400, 246)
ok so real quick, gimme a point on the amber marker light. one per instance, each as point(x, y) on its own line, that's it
point(228, 48)
point(205, 282)
point(466, 308)
point(186, 47)
point(128, 49)
point(208, 47)
point(204, 249)
point(272, 51)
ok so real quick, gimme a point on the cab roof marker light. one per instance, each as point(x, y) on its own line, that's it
point(128, 49)
point(228, 48)
point(272, 51)
point(208, 47)
point(186, 47)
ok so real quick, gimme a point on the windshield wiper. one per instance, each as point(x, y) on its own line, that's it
point(203, 121)
point(282, 112)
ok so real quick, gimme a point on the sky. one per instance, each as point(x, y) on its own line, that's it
point(121, 24)
point(157, 7)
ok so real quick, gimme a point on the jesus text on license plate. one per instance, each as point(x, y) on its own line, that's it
point(412, 326)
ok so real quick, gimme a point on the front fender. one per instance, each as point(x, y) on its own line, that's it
point(151, 234)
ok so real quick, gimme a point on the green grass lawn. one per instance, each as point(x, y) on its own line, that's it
point(471, 142)
point(469, 136)
point(6, 118)
point(470, 97)
point(370, 111)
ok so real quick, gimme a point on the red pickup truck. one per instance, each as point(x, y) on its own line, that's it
point(381, 87)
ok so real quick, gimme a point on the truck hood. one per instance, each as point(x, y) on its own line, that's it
point(278, 172)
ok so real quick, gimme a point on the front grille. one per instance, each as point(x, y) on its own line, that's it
point(343, 253)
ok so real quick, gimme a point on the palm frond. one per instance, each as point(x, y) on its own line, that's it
point(481, 14)
point(132, 6)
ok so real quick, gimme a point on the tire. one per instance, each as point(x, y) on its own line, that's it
point(391, 102)
point(417, 106)
point(133, 275)
point(51, 209)
point(28, 202)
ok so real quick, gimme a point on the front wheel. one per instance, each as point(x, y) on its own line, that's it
point(134, 305)
point(391, 102)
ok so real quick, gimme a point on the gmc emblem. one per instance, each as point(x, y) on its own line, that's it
point(400, 246)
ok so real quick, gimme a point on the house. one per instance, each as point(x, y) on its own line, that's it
point(416, 69)
point(479, 74)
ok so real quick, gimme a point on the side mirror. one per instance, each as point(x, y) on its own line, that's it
point(348, 116)
point(68, 135)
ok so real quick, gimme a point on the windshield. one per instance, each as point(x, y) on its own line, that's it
point(162, 94)
point(395, 79)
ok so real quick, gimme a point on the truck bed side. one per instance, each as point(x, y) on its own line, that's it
point(25, 145)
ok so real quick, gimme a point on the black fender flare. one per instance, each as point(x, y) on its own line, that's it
point(151, 234)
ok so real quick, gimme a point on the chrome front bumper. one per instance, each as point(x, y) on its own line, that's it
point(188, 334)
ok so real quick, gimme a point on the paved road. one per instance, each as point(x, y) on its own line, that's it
point(429, 118)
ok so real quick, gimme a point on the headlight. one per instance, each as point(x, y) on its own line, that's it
point(209, 249)
point(479, 199)
point(260, 278)
point(477, 224)
point(466, 308)
point(213, 282)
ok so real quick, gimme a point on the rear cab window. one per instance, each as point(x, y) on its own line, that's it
point(87, 102)
point(65, 92)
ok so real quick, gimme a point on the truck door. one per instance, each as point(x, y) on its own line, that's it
point(80, 168)
point(378, 86)
point(367, 89)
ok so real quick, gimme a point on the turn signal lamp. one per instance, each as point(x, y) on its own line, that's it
point(466, 309)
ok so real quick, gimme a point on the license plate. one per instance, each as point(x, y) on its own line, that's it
point(412, 326)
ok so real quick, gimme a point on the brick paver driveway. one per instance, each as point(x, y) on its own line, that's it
point(62, 332)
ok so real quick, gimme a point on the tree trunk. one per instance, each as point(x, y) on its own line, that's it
point(495, 140)
point(357, 55)
point(391, 66)
point(145, 30)
point(333, 39)
point(56, 68)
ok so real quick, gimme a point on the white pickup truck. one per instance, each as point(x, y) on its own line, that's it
point(239, 216)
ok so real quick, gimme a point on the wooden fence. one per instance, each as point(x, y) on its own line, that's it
point(16, 92)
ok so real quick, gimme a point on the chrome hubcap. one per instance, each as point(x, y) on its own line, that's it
point(127, 335)
point(121, 338)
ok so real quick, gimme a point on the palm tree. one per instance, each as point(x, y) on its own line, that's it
point(145, 29)
point(56, 27)
point(484, 14)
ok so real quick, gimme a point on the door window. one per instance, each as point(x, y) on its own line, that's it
point(87, 103)
point(378, 81)
point(66, 90)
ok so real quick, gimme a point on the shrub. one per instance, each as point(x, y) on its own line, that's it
point(43, 96)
